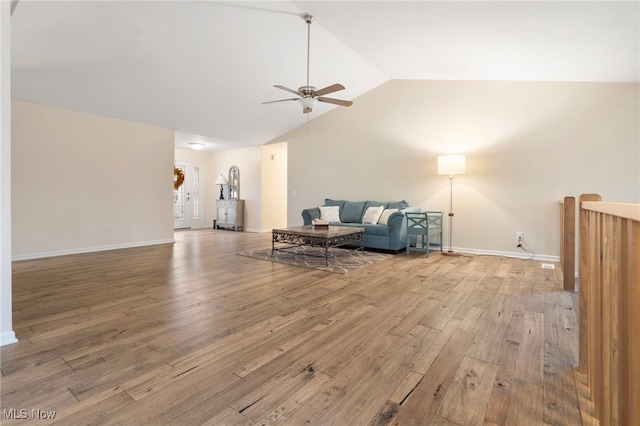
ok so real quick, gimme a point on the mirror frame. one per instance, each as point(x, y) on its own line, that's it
point(234, 183)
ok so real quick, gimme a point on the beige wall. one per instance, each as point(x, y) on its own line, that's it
point(274, 187)
point(76, 175)
point(248, 161)
point(527, 146)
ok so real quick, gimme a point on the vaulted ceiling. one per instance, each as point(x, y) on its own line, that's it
point(203, 68)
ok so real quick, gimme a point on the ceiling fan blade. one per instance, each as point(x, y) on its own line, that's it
point(329, 89)
point(335, 101)
point(280, 100)
point(287, 89)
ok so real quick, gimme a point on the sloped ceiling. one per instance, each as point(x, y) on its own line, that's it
point(204, 68)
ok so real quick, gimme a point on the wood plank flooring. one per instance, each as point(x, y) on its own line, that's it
point(193, 334)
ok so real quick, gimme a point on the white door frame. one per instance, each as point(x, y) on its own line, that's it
point(192, 186)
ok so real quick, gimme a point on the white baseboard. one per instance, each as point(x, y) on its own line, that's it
point(8, 338)
point(254, 230)
point(517, 255)
point(90, 249)
point(260, 230)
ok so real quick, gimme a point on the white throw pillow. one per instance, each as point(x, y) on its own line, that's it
point(330, 213)
point(372, 215)
point(385, 216)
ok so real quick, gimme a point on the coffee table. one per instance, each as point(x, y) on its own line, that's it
point(334, 236)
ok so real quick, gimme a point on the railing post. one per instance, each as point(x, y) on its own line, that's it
point(584, 286)
point(568, 242)
point(630, 317)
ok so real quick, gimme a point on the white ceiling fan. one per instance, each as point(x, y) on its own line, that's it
point(308, 95)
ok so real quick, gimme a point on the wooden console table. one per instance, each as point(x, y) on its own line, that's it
point(230, 214)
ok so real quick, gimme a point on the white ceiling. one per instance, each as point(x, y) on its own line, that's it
point(204, 68)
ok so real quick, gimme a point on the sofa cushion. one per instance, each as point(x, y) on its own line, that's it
point(352, 212)
point(398, 205)
point(381, 230)
point(368, 204)
point(385, 216)
point(372, 214)
point(330, 202)
point(330, 213)
point(378, 230)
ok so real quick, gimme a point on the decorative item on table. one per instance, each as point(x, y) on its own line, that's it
point(221, 180)
point(319, 224)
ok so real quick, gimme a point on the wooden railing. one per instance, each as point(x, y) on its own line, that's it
point(609, 294)
point(568, 242)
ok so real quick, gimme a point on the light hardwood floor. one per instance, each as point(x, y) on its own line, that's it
point(191, 333)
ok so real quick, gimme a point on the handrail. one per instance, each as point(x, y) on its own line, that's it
point(623, 210)
point(609, 288)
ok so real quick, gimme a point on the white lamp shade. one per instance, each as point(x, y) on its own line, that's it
point(221, 180)
point(451, 164)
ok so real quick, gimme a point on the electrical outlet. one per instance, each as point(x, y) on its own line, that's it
point(519, 237)
point(111, 230)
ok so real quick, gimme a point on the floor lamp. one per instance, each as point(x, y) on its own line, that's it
point(451, 165)
point(222, 182)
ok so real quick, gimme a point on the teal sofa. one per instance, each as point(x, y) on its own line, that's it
point(391, 236)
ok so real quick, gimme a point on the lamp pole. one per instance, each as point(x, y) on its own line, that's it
point(450, 212)
point(451, 165)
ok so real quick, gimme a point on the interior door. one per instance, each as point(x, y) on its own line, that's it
point(187, 205)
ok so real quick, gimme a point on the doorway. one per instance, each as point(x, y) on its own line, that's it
point(187, 198)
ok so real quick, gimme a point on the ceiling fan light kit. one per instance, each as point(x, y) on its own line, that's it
point(308, 96)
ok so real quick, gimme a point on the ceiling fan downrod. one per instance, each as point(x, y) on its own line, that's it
point(308, 19)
